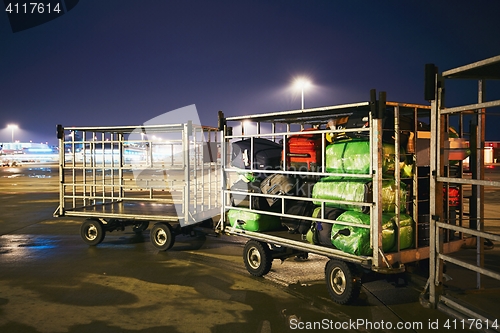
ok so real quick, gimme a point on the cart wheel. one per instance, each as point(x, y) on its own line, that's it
point(257, 257)
point(342, 281)
point(162, 236)
point(92, 231)
point(140, 227)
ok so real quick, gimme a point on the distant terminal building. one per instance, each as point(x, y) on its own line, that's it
point(27, 152)
point(20, 147)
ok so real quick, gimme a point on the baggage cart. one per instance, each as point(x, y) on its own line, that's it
point(344, 272)
point(116, 177)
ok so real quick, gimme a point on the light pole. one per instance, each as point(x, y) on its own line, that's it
point(302, 84)
point(12, 127)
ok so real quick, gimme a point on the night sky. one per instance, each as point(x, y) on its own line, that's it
point(123, 62)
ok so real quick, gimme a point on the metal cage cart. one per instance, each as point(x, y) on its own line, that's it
point(129, 176)
point(475, 216)
point(399, 174)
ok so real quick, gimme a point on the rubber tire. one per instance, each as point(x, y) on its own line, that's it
point(162, 236)
point(342, 281)
point(140, 227)
point(257, 257)
point(92, 232)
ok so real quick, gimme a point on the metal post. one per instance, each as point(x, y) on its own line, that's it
point(376, 152)
point(223, 179)
point(397, 171)
point(436, 193)
point(122, 163)
point(185, 144)
point(84, 171)
point(478, 173)
point(302, 97)
point(376, 210)
point(61, 171)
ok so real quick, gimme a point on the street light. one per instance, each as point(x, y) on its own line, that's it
point(302, 84)
point(12, 127)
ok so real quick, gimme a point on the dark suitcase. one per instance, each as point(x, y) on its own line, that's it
point(303, 152)
point(299, 208)
point(277, 184)
point(321, 232)
point(305, 188)
point(266, 154)
point(243, 199)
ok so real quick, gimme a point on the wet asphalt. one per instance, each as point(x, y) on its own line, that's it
point(51, 281)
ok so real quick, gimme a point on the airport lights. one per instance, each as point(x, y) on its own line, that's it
point(302, 84)
point(12, 127)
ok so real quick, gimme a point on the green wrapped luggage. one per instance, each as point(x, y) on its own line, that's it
point(357, 190)
point(253, 221)
point(358, 241)
point(353, 157)
point(406, 230)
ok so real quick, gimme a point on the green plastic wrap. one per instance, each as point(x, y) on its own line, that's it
point(406, 230)
point(253, 221)
point(353, 157)
point(357, 190)
point(389, 196)
point(358, 242)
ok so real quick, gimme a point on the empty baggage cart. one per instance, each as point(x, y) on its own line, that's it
point(116, 177)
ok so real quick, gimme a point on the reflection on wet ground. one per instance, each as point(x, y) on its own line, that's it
point(28, 171)
point(199, 286)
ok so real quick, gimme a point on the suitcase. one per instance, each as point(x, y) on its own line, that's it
point(358, 240)
point(353, 156)
point(243, 199)
point(299, 208)
point(303, 152)
point(277, 184)
point(423, 190)
point(253, 221)
point(358, 190)
point(406, 230)
point(266, 154)
point(305, 188)
point(321, 232)
point(453, 196)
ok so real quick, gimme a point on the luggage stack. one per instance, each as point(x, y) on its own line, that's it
point(304, 153)
point(352, 156)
